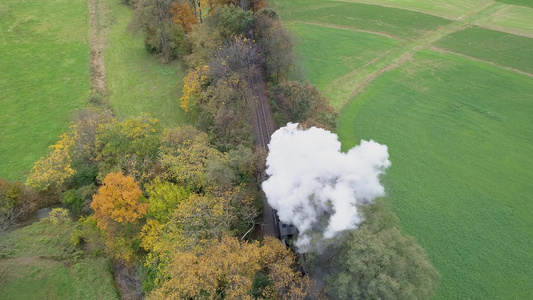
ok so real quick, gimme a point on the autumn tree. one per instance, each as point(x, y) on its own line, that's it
point(188, 164)
point(16, 202)
point(130, 146)
point(216, 95)
point(196, 79)
point(224, 270)
point(117, 209)
point(281, 266)
point(214, 4)
point(86, 126)
point(302, 103)
point(54, 169)
point(183, 14)
point(154, 19)
point(256, 5)
point(200, 45)
point(236, 56)
point(227, 113)
point(173, 138)
point(229, 268)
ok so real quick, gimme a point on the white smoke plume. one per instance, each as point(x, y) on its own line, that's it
point(318, 188)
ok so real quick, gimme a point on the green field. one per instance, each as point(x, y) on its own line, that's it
point(459, 137)
point(349, 50)
point(40, 262)
point(459, 130)
point(501, 48)
point(138, 82)
point(510, 18)
point(395, 22)
point(518, 2)
point(449, 9)
point(44, 60)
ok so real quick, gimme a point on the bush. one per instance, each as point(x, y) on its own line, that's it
point(58, 215)
point(79, 200)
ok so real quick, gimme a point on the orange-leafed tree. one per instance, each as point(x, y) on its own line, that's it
point(118, 208)
point(183, 15)
point(118, 200)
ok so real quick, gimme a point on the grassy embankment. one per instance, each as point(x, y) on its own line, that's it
point(44, 60)
point(458, 130)
point(138, 82)
point(40, 262)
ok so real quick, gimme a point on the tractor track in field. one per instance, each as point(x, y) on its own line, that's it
point(398, 56)
point(97, 41)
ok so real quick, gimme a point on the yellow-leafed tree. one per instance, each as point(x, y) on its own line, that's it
point(192, 84)
point(229, 269)
point(55, 168)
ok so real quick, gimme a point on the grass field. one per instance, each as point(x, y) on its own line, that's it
point(501, 48)
point(509, 18)
point(449, 9)
point(137, 81)
point(399, 23)
point(44, 60)
point(459, 135)
point(458, 129)
point(40, 262)
point(349, 50)
point(518, 2)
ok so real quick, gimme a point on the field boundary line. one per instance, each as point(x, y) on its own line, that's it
point(505, 30)
point(396, 7)
point(441, 50)
point(345, 28)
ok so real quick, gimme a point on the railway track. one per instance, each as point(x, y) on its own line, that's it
point(263, 129)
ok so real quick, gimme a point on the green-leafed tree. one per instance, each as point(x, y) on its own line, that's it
point(163, 199)
point(377, 261)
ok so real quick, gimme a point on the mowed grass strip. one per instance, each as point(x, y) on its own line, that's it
point(518, 2)
point(137, 81)
point(40, 262)
point(348, 50)
point(504, 49)
point(459, 137)
point(510, 18)
point(44, 64)
point(400, 23)
point(449, 9)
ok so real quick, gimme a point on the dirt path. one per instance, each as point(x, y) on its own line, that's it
point(346, 87)
point(97, 39)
